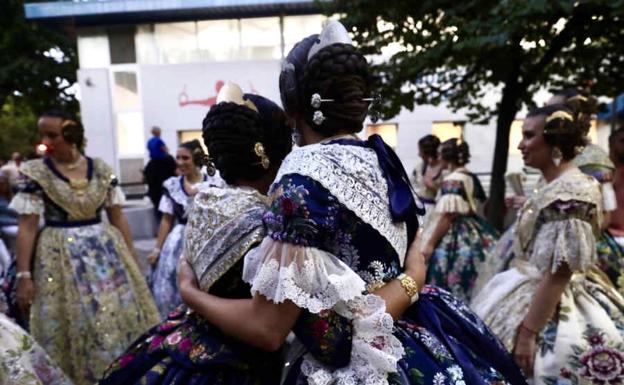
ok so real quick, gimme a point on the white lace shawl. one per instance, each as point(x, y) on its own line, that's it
point(316, 280)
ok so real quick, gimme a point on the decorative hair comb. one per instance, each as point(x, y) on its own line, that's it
point(333, 32)
point(231, 92)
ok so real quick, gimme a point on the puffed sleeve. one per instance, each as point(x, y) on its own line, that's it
point(166, 205)
point(453, 198)
point(115, 195)
point(292, 264)
point(566, 236)
point(29, 198)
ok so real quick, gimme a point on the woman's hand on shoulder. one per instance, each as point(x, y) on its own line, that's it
point(187, 280)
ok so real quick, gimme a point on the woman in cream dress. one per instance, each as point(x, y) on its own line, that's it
point(563, 323)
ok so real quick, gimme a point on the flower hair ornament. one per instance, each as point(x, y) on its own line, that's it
point(261, 153)
point(207, 161)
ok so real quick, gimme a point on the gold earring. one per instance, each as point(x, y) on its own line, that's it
point(264, 159)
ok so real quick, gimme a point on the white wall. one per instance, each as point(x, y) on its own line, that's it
point(96, 114)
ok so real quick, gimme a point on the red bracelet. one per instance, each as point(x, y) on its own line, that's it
point(523, 326)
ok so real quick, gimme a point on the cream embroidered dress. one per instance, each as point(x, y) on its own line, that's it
point(583, 343)
point(23, 361)
point(91, 300)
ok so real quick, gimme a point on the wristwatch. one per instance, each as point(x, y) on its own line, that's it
point(410, 286)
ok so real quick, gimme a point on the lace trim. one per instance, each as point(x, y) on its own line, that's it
point(115, 197)
point(375, 350)
point(351, 174)
point(452, 203)
point(26, 203)
point(316, 280)
point(570, 241)
point(312, 278)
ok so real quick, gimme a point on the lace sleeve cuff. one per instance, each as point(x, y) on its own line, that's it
point(568, 241)
point(27, 203)
point(452, 203)
point(165, 206)
point(316, 280)
point(115, 197)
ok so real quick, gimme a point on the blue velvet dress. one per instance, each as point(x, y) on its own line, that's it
point(333, 238)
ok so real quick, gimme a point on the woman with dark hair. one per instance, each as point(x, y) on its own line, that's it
point(427, 179)
point(247, 138)
point(456, 240)
point(338, 266)
point(178, 192)
point(85, 293)
point(563, 323)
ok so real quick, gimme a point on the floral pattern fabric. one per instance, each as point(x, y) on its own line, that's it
point(91, 299)
point(459, 254)
point(434, 333)
point(23, 361)
point(583, 343)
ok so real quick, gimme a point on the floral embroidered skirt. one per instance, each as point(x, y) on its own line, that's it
point(91, 300)
point(445, 344)
point(186, 349)
point(163, 281)
point(610, 258)
point(582, 344)
point(23, 361)
point(458, 255)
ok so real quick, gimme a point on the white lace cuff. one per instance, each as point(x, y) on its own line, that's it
point(316, 280)
point(568, 241)
point(452, 203)
point(311, 278)
point(115, 197)
point(27, 203)
point(608, 197)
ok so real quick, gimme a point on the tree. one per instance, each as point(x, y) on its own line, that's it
point(37, 66)
point(18, 128)
point(454, 52)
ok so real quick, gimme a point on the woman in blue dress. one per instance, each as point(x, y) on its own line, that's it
point(178, 192)
point(339, 265)
point(247, 138)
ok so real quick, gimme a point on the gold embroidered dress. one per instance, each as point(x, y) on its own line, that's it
point(583, 343)
point(91, 300)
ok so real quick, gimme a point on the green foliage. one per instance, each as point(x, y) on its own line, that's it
point(37, 63)
point(18, 128)
point(457, 51)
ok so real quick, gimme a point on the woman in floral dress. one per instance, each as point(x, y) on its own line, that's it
point(247, 139)
point(85, 293)
point(563, 323)
point(456, 240)
point(178, 192)
point(335, 267)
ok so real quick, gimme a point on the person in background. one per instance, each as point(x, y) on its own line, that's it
point(428, 175)
point(77, 276)
point(11, 169)
point(616, 153)
point(178, 194)
point(455, 239)
point(160, 167)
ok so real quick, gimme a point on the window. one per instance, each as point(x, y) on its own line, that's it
point(298, 27)
point(125, 91)
point(219, 40)
point(260, 38)
point(448, 129)
point(387, 131)
point(515, 136)
point(121, 45)
point(93, 50)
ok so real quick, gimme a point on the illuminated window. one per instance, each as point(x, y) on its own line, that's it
point(515, 136)
point(447, 129)
point(387, 131)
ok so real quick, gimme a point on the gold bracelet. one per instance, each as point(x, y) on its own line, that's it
point(410, 286)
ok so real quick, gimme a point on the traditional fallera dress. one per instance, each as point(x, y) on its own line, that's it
point(223, 225)
point(91, 299)
point(175, 202)
point(332, 238)
point(470, 240)
point(426, 195)
point(23, 361)
point(583, 343)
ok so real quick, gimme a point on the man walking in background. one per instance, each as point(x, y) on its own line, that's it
point(160, 167)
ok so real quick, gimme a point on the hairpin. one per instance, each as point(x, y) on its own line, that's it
point(264, 159)
point(210, 166)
